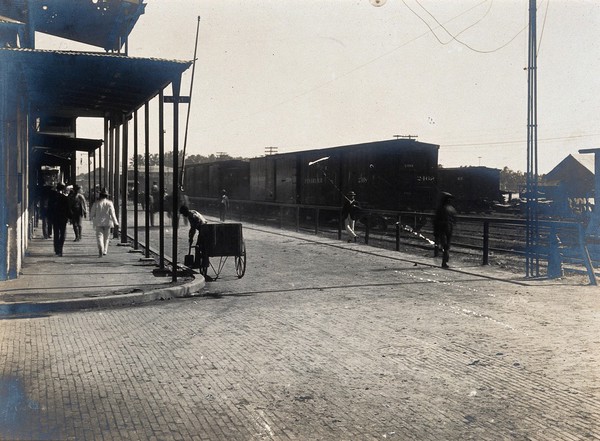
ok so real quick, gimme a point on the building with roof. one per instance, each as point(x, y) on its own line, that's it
point(570, 185)
point(44, 92)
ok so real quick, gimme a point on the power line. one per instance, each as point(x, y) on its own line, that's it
point(351, 71)
point(454, 36)
point(558, 138)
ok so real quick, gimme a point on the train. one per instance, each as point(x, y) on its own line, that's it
point(399, 175)
point(477, 189)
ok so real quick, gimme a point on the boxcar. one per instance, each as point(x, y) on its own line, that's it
point(397, 174)
point(209, 179)
point(195, 180)
point(476, 189)
point(262, 179)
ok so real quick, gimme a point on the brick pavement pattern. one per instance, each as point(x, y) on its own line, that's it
point(319, 341)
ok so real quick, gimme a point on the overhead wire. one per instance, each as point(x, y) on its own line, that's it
point(492, 143)
point(351, 71)
point(454, 37)
point(543, 27)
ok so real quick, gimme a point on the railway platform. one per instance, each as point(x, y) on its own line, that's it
point(81, 280)
point(321, 339)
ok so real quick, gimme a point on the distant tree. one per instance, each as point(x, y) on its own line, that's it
point(189, 159)
point(511, 180)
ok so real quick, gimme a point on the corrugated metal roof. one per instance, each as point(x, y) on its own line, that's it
point(83, 84)
point(100, 23)
point(572, 168)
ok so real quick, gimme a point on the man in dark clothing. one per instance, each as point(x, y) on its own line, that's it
point(46, 221)
point(443, 226)
point(196, 220)
point(59, 212)
point(78, 208)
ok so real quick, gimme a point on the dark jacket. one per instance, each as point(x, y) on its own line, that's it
point(445, 218)
point(59, 209)
point(351, 208)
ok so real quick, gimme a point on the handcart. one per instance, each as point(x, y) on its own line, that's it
point(222, 241)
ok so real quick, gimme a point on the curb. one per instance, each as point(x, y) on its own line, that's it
point(189, 289)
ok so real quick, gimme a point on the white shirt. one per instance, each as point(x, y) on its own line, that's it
point(103, 214)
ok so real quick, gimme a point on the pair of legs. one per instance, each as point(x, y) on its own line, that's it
point(444, 244)
point(46, 225)
point(102, 239)
point(76, 221)
point(60, 230)
point(350, 223)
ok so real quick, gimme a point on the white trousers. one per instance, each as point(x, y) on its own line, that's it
point(102, 238)
point(349, 222)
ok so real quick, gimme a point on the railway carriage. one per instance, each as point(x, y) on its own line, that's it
point(209, 178)
point(476, 189)
point(398, 174)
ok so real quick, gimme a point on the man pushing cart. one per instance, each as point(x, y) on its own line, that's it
point(214, 240)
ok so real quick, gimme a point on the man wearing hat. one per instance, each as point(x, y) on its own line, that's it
point(224, 205)
point(78, 207)
point(59, 214)
point(350, 212)
point(443, 226)
point(104, 218)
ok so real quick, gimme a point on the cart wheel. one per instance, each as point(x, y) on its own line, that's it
point(240, 262)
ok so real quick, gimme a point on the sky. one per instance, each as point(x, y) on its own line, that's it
point(291, 75)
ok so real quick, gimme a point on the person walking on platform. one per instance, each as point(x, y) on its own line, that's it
point(154, 202)
point(59, 213)
point(223, 206)
point(46, 194)
point(350, 212)
point(104, 218)
point(443, 226)
point(196, 220)
point(79, 210)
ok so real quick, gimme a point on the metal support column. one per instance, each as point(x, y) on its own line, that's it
point(532, 257)
point(136, 178)
point(124, 186)
point(147, 178)
point(116, 176)
point(89, 172)
point(175, 194)
point(93, 193)
point(161, 178)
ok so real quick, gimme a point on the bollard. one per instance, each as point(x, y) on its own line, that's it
point(555, 263)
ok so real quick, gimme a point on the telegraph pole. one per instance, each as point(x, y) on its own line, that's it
point(532, 258)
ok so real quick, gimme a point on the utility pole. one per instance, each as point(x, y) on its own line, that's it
point(270, 150)
point(532, 257)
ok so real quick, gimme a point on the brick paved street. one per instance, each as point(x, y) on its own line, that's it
point(321, 340)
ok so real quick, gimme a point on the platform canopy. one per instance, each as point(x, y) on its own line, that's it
point(84, 84)
point(101, 23)
point(65, 143)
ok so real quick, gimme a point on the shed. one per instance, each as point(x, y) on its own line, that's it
point(575, 174)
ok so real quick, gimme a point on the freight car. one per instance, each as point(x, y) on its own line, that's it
point(396, 174)
point(208, 179)
point(476, 189)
